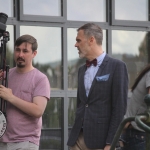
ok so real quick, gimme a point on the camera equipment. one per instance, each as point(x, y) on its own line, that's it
point(3, 19)
point(4, 37)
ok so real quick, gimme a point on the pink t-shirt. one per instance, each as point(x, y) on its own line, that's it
point(20, 126)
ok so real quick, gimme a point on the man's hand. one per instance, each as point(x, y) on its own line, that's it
point(5, 93)
point(1, 74)
point(107, 147)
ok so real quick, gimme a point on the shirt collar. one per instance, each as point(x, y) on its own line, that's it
point(100, 58)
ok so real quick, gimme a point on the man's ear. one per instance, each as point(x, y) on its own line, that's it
point(34, 53)
point(91, 40)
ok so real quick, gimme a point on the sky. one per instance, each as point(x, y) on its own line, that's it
point(43, 7)
point(131, 9)
point(49, 42)
point(129, 41)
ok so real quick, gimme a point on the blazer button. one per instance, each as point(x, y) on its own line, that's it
point(86, 105)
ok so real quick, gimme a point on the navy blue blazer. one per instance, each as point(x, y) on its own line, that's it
point(102, 111)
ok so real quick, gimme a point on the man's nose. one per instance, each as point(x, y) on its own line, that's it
point(75, 45)
point(20, 53)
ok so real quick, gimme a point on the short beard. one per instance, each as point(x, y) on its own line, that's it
point(20, 65)
point(81, 55)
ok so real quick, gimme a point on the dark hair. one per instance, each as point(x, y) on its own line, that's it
point(91, 29)
point(28, 39)
point(145, 70)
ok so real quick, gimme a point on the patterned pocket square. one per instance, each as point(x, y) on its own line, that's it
point(103, 78)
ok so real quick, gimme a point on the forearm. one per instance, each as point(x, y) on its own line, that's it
point(34, 108)
point(29, 108)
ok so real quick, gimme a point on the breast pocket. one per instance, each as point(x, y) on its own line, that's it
point(27, 96)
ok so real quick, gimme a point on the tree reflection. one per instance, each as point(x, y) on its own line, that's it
point(136, 62)
point(52, 125)
point(73, 72)
point(53, 72)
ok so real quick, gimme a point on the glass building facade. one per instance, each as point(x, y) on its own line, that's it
point(126, 28)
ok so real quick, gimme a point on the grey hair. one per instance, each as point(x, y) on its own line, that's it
point(91, 29)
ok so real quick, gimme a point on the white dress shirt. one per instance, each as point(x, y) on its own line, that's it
point(91, 72)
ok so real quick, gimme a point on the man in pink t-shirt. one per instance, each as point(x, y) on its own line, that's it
point(27, 95)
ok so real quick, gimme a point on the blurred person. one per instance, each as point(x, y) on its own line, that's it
point(133, 137)
point(27, 95)
point(101, 94)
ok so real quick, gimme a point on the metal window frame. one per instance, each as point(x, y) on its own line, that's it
point(23, 17)
point(128, 22)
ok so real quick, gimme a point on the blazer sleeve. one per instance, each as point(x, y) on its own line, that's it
point(119, 98)
point(78, 100)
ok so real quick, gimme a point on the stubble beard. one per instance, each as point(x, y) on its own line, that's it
point(82, 54)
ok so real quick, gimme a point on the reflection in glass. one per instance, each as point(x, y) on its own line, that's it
point(42, 7)
point(85, 10)
point(74, 62)
point(138, 9)
point(51, 135)
point(48, 58)
point(6, 6)
point(135, 53)
point(71, 112)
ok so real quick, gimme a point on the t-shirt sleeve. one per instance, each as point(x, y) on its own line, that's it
point(42, 88)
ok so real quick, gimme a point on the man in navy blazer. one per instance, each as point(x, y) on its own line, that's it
point(101, 95)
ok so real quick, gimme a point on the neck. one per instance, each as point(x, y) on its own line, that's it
point(24, 70)
point(95, 53)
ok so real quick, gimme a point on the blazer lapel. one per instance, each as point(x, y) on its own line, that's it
point(99, 72)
